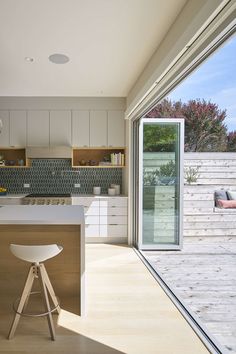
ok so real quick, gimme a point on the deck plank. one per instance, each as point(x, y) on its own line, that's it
point(203, 275)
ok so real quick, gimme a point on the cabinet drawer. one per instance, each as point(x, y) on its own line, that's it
point(117, 201)
point(113, 230)
point(86, 202)
point(91, 230)
point(92, 220)
point(91, 211)
point(10, 201)
point(110, 219)
point(113, 211)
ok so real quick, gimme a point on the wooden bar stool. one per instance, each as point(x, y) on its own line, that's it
point(36, 255)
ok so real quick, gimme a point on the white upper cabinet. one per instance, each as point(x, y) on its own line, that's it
point(60, 128)
point(116, 128)
point(80, 128)
point(4, 129)
point(18, 128)
point(98, 128)
point(38, 128)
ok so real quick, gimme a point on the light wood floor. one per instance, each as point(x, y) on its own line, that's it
point(203, 275)
point(127, 312)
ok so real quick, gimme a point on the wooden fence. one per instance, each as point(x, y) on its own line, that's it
point(201, 219)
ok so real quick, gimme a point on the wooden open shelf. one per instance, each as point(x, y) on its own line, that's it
point(12, 156)
point(91, 157)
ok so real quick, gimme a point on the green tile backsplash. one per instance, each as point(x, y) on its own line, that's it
point(57, 176)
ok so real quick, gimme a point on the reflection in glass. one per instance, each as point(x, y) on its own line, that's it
point(161, 143)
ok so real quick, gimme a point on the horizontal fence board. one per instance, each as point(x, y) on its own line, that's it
point(216, 169)
point(198, 204)
point(217, 175)
point(210, 156)
point(198, 196)
point(209, 217)
point(210, 232)
point(215, 181)
point(209, 225)
point(230, 240)
point(198, 188)
point(189, 211)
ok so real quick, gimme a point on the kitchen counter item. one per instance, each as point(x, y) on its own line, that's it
point(116, 187)
point(97, 190)
point(111, 191)
point(47, 199)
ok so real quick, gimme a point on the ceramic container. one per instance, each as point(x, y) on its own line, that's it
point(111, 191)
point(116, 187)
point(97, 190)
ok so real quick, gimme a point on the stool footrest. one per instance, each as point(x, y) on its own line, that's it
point(16, 303)
point(36, 271)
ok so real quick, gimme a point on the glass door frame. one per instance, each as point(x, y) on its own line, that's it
point(138, 183)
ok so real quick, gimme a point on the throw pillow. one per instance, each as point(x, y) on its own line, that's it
point(226, 203)
point(231, 195)
point(221, 194)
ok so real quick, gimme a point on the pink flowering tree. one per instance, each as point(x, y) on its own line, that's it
point(204, 123)
point(232, 141)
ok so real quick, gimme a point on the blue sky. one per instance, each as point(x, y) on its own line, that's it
point(215, 81)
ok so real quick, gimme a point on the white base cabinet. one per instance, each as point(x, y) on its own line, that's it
point(105, 217)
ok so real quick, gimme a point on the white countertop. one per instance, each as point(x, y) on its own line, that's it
point(12, 196)
point(42, 214)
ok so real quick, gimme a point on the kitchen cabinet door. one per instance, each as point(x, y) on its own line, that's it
point(116, 129)
point(4, 129)
point(18, 128)
point(80, 128)
point(60, 128)
point(98, 128)
point(38, 128)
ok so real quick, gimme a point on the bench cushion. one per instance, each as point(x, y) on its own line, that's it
point(226, 203)
point(231, 195)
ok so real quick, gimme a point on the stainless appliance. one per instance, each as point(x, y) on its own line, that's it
point(47, 199)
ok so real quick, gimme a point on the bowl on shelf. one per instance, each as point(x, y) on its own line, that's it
point(3, 191)
point(10, 163)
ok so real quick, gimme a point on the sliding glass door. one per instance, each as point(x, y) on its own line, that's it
point(158, 185)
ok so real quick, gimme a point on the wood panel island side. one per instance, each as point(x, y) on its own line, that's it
point(41, 225)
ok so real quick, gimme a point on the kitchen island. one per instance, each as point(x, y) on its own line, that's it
point(38, 225)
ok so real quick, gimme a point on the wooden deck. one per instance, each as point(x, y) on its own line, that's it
point(203, 275)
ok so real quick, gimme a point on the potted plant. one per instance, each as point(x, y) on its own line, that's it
point(191, 174)
point(166, 174)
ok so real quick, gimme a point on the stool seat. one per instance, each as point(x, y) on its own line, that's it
point(36, 254)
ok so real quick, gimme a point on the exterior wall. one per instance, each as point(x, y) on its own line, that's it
point(201, 219)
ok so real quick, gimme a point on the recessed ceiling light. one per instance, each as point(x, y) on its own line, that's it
point(58, 58)
point(29, 59)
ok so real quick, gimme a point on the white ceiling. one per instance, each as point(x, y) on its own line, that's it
point(109, 42)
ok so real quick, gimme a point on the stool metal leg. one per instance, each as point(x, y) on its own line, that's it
point(46, 301)
point(24, 296)
point(50, 288)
